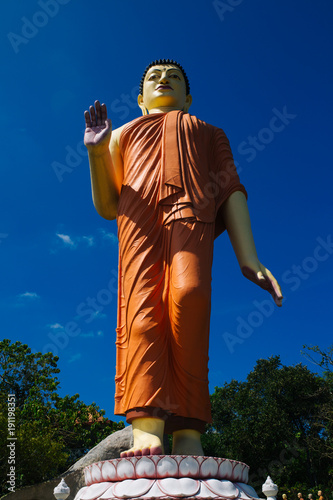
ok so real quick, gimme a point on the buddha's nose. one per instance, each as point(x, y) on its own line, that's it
point(164, 79)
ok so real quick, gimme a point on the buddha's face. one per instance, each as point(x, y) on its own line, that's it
point(164, 89)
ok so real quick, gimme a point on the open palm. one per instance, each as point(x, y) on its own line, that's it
point(98, 126)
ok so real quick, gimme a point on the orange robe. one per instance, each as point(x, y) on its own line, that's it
point(178, 171)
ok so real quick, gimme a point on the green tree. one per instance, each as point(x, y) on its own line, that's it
point(323, 360)
point(51, 432)
point(270, 422)
point(27, 375)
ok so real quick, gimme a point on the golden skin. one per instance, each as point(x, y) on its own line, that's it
point(106, 165)
point(164, 90)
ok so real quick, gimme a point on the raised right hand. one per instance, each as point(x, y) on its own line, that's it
point(98, 128)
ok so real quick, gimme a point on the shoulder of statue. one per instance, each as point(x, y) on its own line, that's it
point(115, 137)
point(218, 131)
point(200, 122)
point(116, 133)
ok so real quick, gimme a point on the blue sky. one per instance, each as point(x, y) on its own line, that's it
point(261, 71)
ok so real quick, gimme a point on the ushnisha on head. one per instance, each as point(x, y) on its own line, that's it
point(164, 87)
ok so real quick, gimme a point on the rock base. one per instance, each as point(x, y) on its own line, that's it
point(167, 477)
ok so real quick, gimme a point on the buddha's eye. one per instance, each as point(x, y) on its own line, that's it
point(174, 75)
point(152, 77)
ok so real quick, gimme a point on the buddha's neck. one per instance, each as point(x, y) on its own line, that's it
point(163, 109)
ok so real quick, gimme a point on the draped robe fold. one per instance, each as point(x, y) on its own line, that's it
point(178, 171)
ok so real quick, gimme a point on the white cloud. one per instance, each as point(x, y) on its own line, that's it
point(92, 334)
point(75, 357)
point(67, 240)
point(85, 241)
point(56, 326)
point(98, 314)
point(28, 295)
point(89, 240)
point(111, 237)
point(88, 335)
point(74, 241)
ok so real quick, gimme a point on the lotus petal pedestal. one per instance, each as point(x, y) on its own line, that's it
point(167, 477)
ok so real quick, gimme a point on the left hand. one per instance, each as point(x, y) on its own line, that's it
point(261, 276)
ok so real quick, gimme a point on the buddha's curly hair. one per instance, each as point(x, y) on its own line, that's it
point(158, 62)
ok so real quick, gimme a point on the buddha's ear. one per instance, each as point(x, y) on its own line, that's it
point(141, 105)
point(188, 102)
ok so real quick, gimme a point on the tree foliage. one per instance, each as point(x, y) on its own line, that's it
point(51, 432)
point(28, 375)
point(323, 359)
point(274, 421)
point(279, 421)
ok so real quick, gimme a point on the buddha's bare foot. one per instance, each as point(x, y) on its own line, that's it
point(147, 438)
point(186, 442)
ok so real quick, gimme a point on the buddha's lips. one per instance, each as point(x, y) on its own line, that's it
point(164, 87)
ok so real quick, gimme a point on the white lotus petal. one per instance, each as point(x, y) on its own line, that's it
point(225, 470)
point(125, 469)
point(80, 492)
point(96, 473)
point(87, 476)
point(131, 488)
point(238, 472)
point(246, 491)
point(145, 468)
point(222, 488)
point(209, 468)
point(189, 467)
point(183, 487)
point(95, 491)
point(109, 494)
point(167, 467)
point(109, 472)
